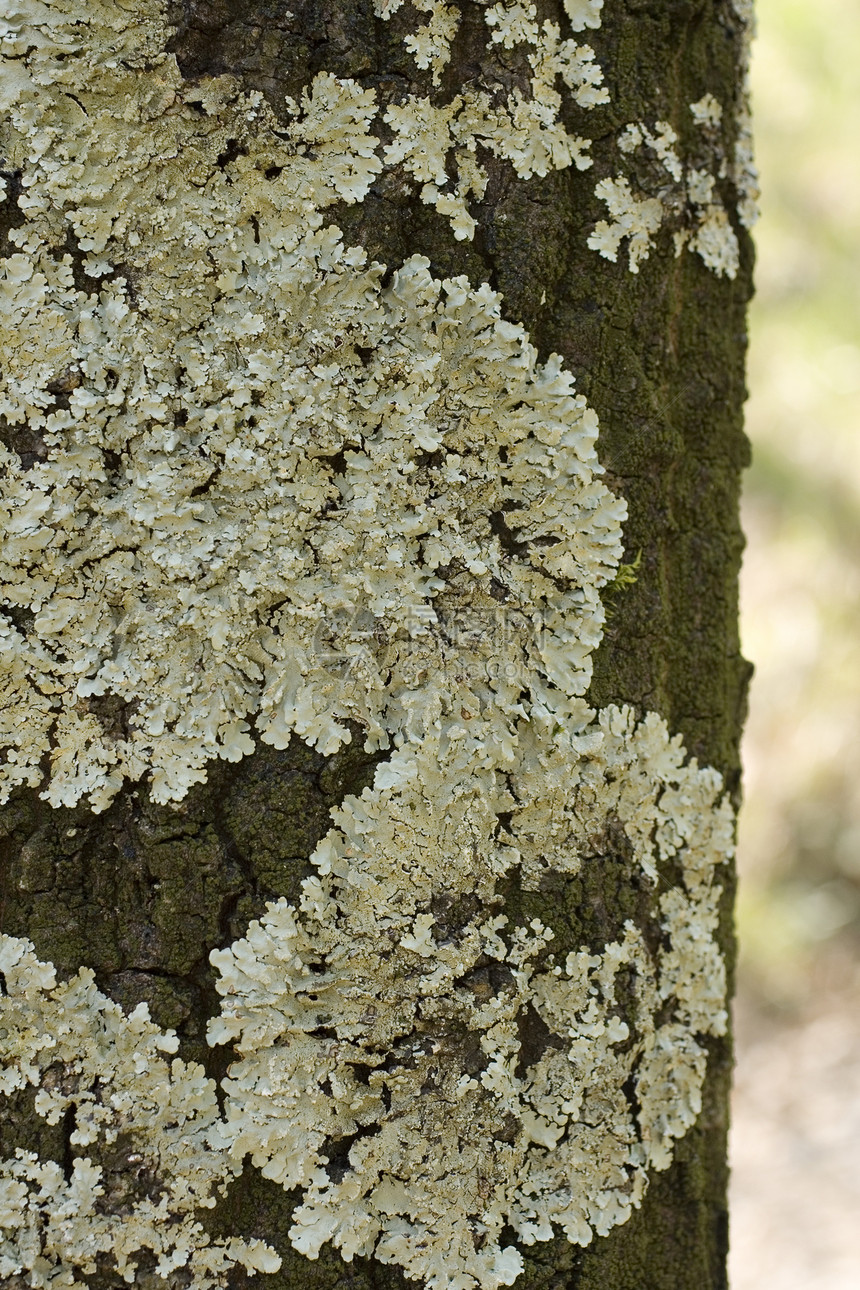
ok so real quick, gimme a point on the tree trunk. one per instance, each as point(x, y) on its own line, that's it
point(143, 890)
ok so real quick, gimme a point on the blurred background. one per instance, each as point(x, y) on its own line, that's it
point(796, 1134)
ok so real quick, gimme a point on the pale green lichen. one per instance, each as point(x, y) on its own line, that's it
point(270, 480)
point(636, 219)
point(430, 45)
point(261, 486)
point(583, 13)
point(388, 1011)
point(391, 1012)
point(687, 198)
point(744, 172)
point(707, 111)
point(433, 138)
point(152, 1124)
point(712, 236)
point(661, 141)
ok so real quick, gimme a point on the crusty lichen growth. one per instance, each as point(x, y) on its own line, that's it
point(252, 484)
point(150, 1124)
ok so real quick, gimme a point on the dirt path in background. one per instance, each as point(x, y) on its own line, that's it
point(796, 1146)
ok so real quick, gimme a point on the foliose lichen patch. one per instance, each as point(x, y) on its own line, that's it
point(150, 1124)
point(683, 195)
point(520, 125)
point(262, 478)
point(430, 1075)
point(744, 171)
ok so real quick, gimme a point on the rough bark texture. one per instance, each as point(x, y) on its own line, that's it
point(143, 892)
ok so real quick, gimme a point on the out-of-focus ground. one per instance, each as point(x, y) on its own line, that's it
point(796, 1135)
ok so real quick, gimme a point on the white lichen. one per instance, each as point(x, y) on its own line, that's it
point(266, 483)
point(637, 219)
point(712, 235)
point(707, 111)
point(432, 138)
point(583, 13)
point(682, 188)
point(744, 172)
point(661, 141)
point(430, 45)
point(333, 127)
point(387, 1026)
point(153, 1126)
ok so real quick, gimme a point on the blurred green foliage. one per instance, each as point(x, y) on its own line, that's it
point(800, 828)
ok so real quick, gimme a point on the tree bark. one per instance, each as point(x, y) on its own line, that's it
point(143, 892)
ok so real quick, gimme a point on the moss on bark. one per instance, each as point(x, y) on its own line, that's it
point(142, 893)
